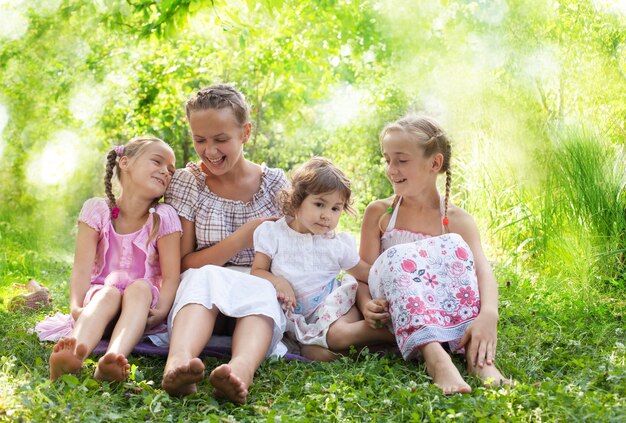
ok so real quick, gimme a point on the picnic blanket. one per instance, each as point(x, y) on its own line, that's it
point(218, 347)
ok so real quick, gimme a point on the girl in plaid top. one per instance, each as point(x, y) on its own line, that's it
point(221, 200)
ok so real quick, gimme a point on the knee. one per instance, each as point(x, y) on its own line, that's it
point(139, 288)
point(109, 295)
point(337, 337)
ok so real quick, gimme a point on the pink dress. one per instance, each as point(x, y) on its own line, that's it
point(430, 283)
point(120, 259)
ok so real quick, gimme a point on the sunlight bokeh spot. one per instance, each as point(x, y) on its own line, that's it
point(86, 104)
point(47, 7)
point(13, 22)
point(618, 6)
point(56, 163)
point(343, 107)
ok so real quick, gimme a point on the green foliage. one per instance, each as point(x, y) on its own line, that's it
point(508, 79)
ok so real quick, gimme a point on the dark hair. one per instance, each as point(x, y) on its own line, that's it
point(219, 96)
point(133, 149)
point(316, 176)
point(431, 138)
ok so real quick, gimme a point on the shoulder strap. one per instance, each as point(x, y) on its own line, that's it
point(441, 213)
point(394, 216)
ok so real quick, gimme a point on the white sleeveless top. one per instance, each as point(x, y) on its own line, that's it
point(393, 236)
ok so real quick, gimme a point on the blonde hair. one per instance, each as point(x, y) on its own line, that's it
point(133, 149)
point(316, 176)
point(432, 139)
point(220, 96)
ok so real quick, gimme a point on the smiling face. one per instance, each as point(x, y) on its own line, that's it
point(406, 167)
point(150, 171)
point(218, 138)
point(319, 213)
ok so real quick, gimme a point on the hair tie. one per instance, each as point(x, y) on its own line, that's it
point(119, 150)
point(115, 212)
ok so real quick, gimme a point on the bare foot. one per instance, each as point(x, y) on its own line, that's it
point(66, 357)
point(447, 377)
point(181, 380)
point(318, 353)
point(228, 385)
point(112, 367)
point(490, 375)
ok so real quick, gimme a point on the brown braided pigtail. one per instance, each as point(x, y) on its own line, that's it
point(108, 176)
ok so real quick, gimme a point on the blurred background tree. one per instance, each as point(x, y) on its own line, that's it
point(531, 91)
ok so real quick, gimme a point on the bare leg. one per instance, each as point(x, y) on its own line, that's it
point(319, 353)
point(68, 355)
point(251, 340)
point(113, 366)
point(489, 374)
point(347, 331)
point(444, 373)
point(193, 327)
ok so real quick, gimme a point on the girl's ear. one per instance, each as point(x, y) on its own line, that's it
point(123, 162)
point(436, 162)
point(247, 130)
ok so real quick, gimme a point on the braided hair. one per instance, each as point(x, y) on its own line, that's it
point(220, 96)
point(432, 139)
point(134, 148)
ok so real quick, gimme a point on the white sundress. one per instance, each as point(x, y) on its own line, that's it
point(430, 283)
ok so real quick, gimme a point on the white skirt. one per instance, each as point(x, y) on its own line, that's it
point(234, 292)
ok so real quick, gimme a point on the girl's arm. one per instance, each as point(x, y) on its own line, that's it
point(375, 311)
point(169, 247)
point(361, 271)
point(481, 336)
point(84, 257)
point(284, 291)
point(220, 253)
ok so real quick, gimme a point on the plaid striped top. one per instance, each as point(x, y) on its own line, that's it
point(215, 217)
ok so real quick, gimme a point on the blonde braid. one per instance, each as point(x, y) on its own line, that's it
point(156, 221)
point(447, 198)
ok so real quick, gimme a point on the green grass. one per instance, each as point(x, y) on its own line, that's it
point(565, 351)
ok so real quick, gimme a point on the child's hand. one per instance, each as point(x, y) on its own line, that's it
point(76, 312)
point(285, 294)
point(246, 230)
point(480, 339)
point(376, 313)
point(156, 316)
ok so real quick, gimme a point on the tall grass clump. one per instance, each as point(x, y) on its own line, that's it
point(584, 187)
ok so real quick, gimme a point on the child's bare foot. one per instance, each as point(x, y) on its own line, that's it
point(490, 375)
point(318, 353)
point(181, 379)
point(112, 367)
point(447, 377)
point(228, 385)
point(66, 357)
point(444, 373)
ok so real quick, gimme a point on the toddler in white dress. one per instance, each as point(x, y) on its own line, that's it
point(303, 257)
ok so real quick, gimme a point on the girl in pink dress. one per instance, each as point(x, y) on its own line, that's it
point(430, 281)
point(126, 265)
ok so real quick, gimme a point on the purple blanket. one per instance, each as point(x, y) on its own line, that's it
point(148, 348)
